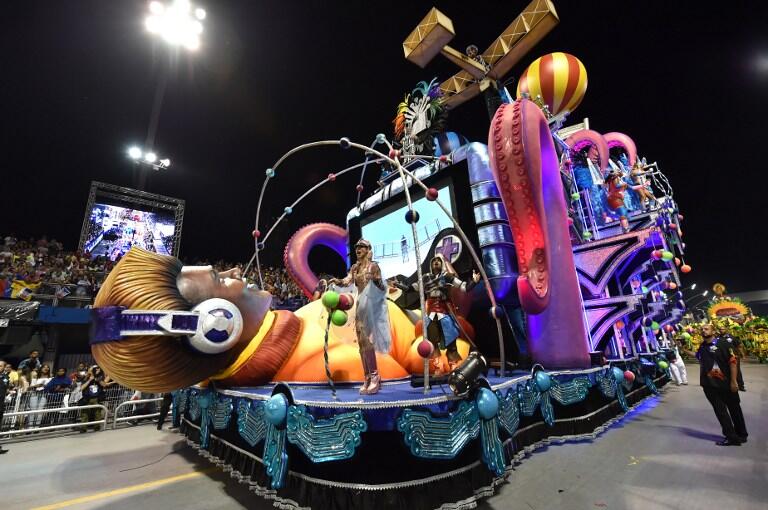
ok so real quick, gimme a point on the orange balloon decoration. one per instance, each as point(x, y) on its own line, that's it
point(620, 324)
point(559, 78)
point(685, 268)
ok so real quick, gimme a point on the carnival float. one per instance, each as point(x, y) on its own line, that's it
point(501, 296)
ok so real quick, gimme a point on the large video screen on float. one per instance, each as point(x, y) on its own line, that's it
point(392, 237)
point(113, 230)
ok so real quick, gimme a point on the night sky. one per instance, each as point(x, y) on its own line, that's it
point(688, 83)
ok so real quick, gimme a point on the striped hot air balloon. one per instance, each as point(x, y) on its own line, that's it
point(559, 78)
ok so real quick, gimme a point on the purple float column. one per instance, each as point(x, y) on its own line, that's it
point(526, 170)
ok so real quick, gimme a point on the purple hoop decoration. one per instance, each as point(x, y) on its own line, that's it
point(296, 255)
point(616, 139)
point(585, 137)
point(527, 172)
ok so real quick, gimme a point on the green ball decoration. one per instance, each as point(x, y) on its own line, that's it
point(586, 235)
point(331, 299)
point(655, 326)
point(663, 365)
point(686, 335)
point(666, 256)
point(339, 317)
point(574, 196)
point(644, 289)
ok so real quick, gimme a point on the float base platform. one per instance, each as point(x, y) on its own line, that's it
point(401, 448)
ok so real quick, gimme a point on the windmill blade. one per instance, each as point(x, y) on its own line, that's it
point(526, 30)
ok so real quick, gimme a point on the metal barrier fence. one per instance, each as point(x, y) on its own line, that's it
point(38, 411)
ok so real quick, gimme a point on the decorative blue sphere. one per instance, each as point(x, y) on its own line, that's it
point(276, 409)
point(270, 173)
point(381, 139)
point(412, 216)
point(618, 374)
point(681, 305)
point(487, 403)
point(542, 380)
point(204, 399)
point(260, 245)
point(496, 312)
point(288, 210)
point(345, 143)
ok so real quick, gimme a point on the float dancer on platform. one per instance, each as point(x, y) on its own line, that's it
point(443, 324)
point(371, 317)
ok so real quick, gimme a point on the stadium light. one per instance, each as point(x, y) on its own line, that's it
point(148, 158)
point(693, 287)
point(134, 152)
point(176, 23)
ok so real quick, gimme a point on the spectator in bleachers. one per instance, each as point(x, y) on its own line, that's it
point(32, 362)
point(13, 375)
point(59, 384)
point(5, 384)
point(81, 368)
point(36, 400)
point(93, 391)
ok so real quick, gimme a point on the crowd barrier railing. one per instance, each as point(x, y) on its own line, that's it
point(133, 403)
point(63, 426)
point(32, 411)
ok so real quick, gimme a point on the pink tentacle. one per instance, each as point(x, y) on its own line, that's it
point(296, 254)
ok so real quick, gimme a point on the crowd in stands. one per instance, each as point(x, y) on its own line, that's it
point(34, 386)
point(43, 267)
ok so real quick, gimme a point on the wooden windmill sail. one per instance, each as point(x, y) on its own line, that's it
point(432, 35)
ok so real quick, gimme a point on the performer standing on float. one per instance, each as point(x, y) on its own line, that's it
point(371, 319)
point(442, 324)
point(641, 186)
point(616, 186)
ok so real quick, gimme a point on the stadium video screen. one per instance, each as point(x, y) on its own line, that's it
point(113, 230)
point(392, 237)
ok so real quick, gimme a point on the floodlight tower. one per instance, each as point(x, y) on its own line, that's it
point(179, 24)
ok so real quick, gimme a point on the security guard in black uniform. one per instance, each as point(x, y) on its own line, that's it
point(719, 379)
point(5, 384)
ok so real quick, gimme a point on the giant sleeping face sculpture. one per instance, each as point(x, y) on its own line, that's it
point(160, 326)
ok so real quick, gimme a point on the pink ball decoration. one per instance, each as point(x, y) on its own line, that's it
point(672, 285)
point(425, 349)
point(656, 254)
point(432, 194)
point(685, 268)
point(673, 226)
point(629, 376)
point(393, 154)
point(359, 188)
point(256, 234)
point(331, 177)
point(346, 300)
point(677, 261)
point(668, 328)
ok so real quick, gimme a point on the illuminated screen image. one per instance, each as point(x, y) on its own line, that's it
point(113, 230)
point(392, 237)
